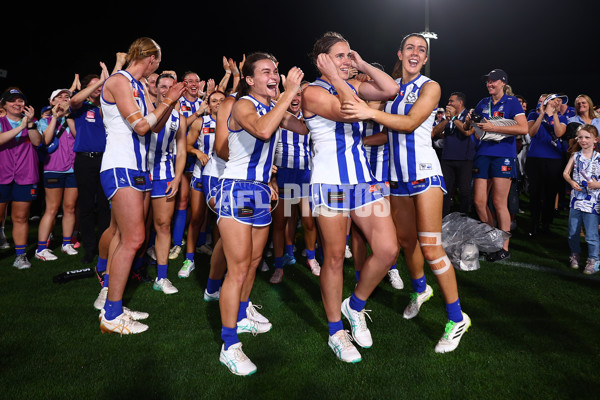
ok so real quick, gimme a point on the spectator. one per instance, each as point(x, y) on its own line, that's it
point(60, 185)
point(544, 161)
point(565, 110)
point(585, 112)
point(19, 172)
point(437, 135)
point(582, 173)
point(458, 153)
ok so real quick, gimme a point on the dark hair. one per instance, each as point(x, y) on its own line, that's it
point(213, 93)
point(324, 44)
point(460, 96)
point(85, 81)
point(248, 70)
point(405, 38)
point(186, 73)
point(162, 76)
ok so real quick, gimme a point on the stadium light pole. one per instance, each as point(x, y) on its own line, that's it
point(428, 36)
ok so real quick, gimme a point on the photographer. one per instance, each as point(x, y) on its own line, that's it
point(544, 160)
point(457, 154)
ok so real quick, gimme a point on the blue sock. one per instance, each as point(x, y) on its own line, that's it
point(393, 267)
point(419, 285)
point(101, 264)
point(179, 226)
point(42, 245)
point(320, 250)
point(113, 309)
point(189, 256)
point(289, 249)
point(20, 249)
point(66, 240)
point(137, 263)
point(105, 281)
point(335, 327)
point(347, 239)
point(357, 275)
point(278, 262)
point(310, 254)
point(454, 311)
point(356, 304)
point(161, 271)
point(201, 239)
point(229, 336)
point(242, 310)
point(213, 285)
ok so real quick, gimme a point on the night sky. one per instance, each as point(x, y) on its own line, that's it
point(548, 46)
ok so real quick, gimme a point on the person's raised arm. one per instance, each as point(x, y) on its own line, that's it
point(263, 127)
point(381, 86)
point(120, 62)
point(429, 98)
point(26, 123)
point(79, 98)
point(225, 79)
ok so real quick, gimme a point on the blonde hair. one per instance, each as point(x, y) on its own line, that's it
point(591, 112)
point(142, 48)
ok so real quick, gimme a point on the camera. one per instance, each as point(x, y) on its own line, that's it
point(476, 118)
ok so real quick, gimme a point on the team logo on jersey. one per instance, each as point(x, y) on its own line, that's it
point(198, 185)
point(90, 116)
point(498, 114)
point(425, 166)
point(411, 98)
point(173, 125)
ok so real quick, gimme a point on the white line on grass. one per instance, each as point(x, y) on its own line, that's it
point(548, 270)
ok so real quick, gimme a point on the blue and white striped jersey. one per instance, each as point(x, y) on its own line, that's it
point(293, 150)
point(162, 149)
point(124, 147)
point(412, 156)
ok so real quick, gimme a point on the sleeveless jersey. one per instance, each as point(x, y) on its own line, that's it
point(293, 150)
point(188, 107)
point(378, 156)
point(162, 149)
point(412, 156)
point(251, 158)
point(339, 156)
point(205, 142)
point(124, 147)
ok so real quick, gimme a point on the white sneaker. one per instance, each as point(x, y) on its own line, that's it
point(212, 296)
point(68, 248)
point(453, 334)
point(174, 252)
point(151, 252)
point(277, 276)
point(4, 243)
point(204, 249)
point(21, 262)
point(45, 255)
point(416, 301)
point(253, 314)
point(314, 266)
point(164, 285)
point(101, 299)
point(342, 346)
point(134, 315)
point(188, 267)
point(250, 326)
point(395, 279)
point(123, 324)
point(347, 252)
point(358, 324)
point(264, 267)
point(236, 360)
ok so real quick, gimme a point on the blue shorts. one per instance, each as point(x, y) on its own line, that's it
point(417, 187)
point(344, 197)
point(15, 192)
point(293, 183)
point(210, 185)
point(248, 202)
point(60, 180)
point(159, 188)
point(190, 161)
point(118, 178)
point(197, 184)
point(487, 167)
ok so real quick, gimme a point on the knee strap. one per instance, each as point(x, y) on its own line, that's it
point(430, 238)
point(440, 266)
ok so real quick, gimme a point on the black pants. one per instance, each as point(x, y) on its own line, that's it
point(545, 179)
point(458, 174)
point(91, 200)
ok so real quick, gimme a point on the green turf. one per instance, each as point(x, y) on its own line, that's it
point(534, 335)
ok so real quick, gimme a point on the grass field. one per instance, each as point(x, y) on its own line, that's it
point(534, 335)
